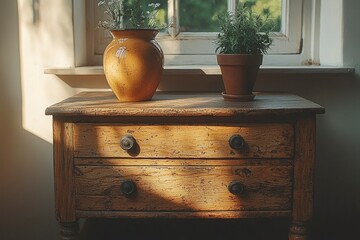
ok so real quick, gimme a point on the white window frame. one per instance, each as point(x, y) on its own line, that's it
point(185, 48)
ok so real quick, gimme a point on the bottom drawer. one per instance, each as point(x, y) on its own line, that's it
point(184, 188)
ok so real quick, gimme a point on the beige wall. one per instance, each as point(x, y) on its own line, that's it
point(26, 182)
point(26, 189)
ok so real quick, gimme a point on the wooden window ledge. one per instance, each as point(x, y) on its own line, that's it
point(208, 70)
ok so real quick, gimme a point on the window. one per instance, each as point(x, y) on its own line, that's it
point(190, 39)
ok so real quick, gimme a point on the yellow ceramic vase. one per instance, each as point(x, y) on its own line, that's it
point(133, 64)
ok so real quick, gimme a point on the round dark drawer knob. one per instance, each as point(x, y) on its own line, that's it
point(236, 188)
point(237, 142)
point(127, 142)
point(128, 188)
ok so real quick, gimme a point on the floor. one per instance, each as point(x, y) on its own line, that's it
point(215, 229)
point(179, 229)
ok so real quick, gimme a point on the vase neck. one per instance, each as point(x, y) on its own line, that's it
point(138, 33)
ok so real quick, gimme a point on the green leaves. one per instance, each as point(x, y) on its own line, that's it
point(244, 32)
point(130, 14)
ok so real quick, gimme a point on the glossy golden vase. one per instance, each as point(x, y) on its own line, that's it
point(133, 64)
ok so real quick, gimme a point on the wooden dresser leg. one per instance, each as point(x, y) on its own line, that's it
point(304, 162)
point(69, 230)
point(298, 231)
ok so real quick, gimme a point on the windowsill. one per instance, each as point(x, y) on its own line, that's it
point(209, 70)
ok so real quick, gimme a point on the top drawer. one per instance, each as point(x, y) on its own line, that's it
point(185, 141)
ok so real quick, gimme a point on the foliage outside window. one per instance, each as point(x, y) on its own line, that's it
point(201, 15)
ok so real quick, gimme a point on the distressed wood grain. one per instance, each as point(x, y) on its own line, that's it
point(183, 164)
point(63, 171)
point(304, 163)
point(196, 188)
point(180, 162)
point(184, 141)
point(165, 104)
point(183, 214)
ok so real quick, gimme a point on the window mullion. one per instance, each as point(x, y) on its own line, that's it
point(232, 5)
point(285, 15)
point(173, 15)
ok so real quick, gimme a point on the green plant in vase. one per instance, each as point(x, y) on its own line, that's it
point(243, 38)
point(130, 14)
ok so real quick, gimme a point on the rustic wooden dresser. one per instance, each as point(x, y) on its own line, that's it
point(184, 155)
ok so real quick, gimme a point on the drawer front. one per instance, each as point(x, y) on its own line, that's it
point(185, 141)
point(183, 188)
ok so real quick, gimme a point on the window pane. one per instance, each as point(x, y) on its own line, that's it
point(271, 7)
point(200, 15)
point(162, 13)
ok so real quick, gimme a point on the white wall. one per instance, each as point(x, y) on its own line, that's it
point(331, 32)
point(26, 181)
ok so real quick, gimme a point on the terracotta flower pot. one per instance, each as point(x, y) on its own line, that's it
point(133, 64)
point(239, 73)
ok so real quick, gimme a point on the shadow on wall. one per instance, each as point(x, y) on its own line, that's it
point(26, 181)
point(337, 192)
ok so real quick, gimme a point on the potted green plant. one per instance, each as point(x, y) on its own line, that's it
point(133, 61)
point(243, 38)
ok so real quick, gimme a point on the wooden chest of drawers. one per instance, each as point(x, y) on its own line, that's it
point(184, 156)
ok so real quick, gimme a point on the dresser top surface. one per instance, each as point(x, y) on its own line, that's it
point(104, 103)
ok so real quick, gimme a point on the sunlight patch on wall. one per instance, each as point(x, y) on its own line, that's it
point(46, 39)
